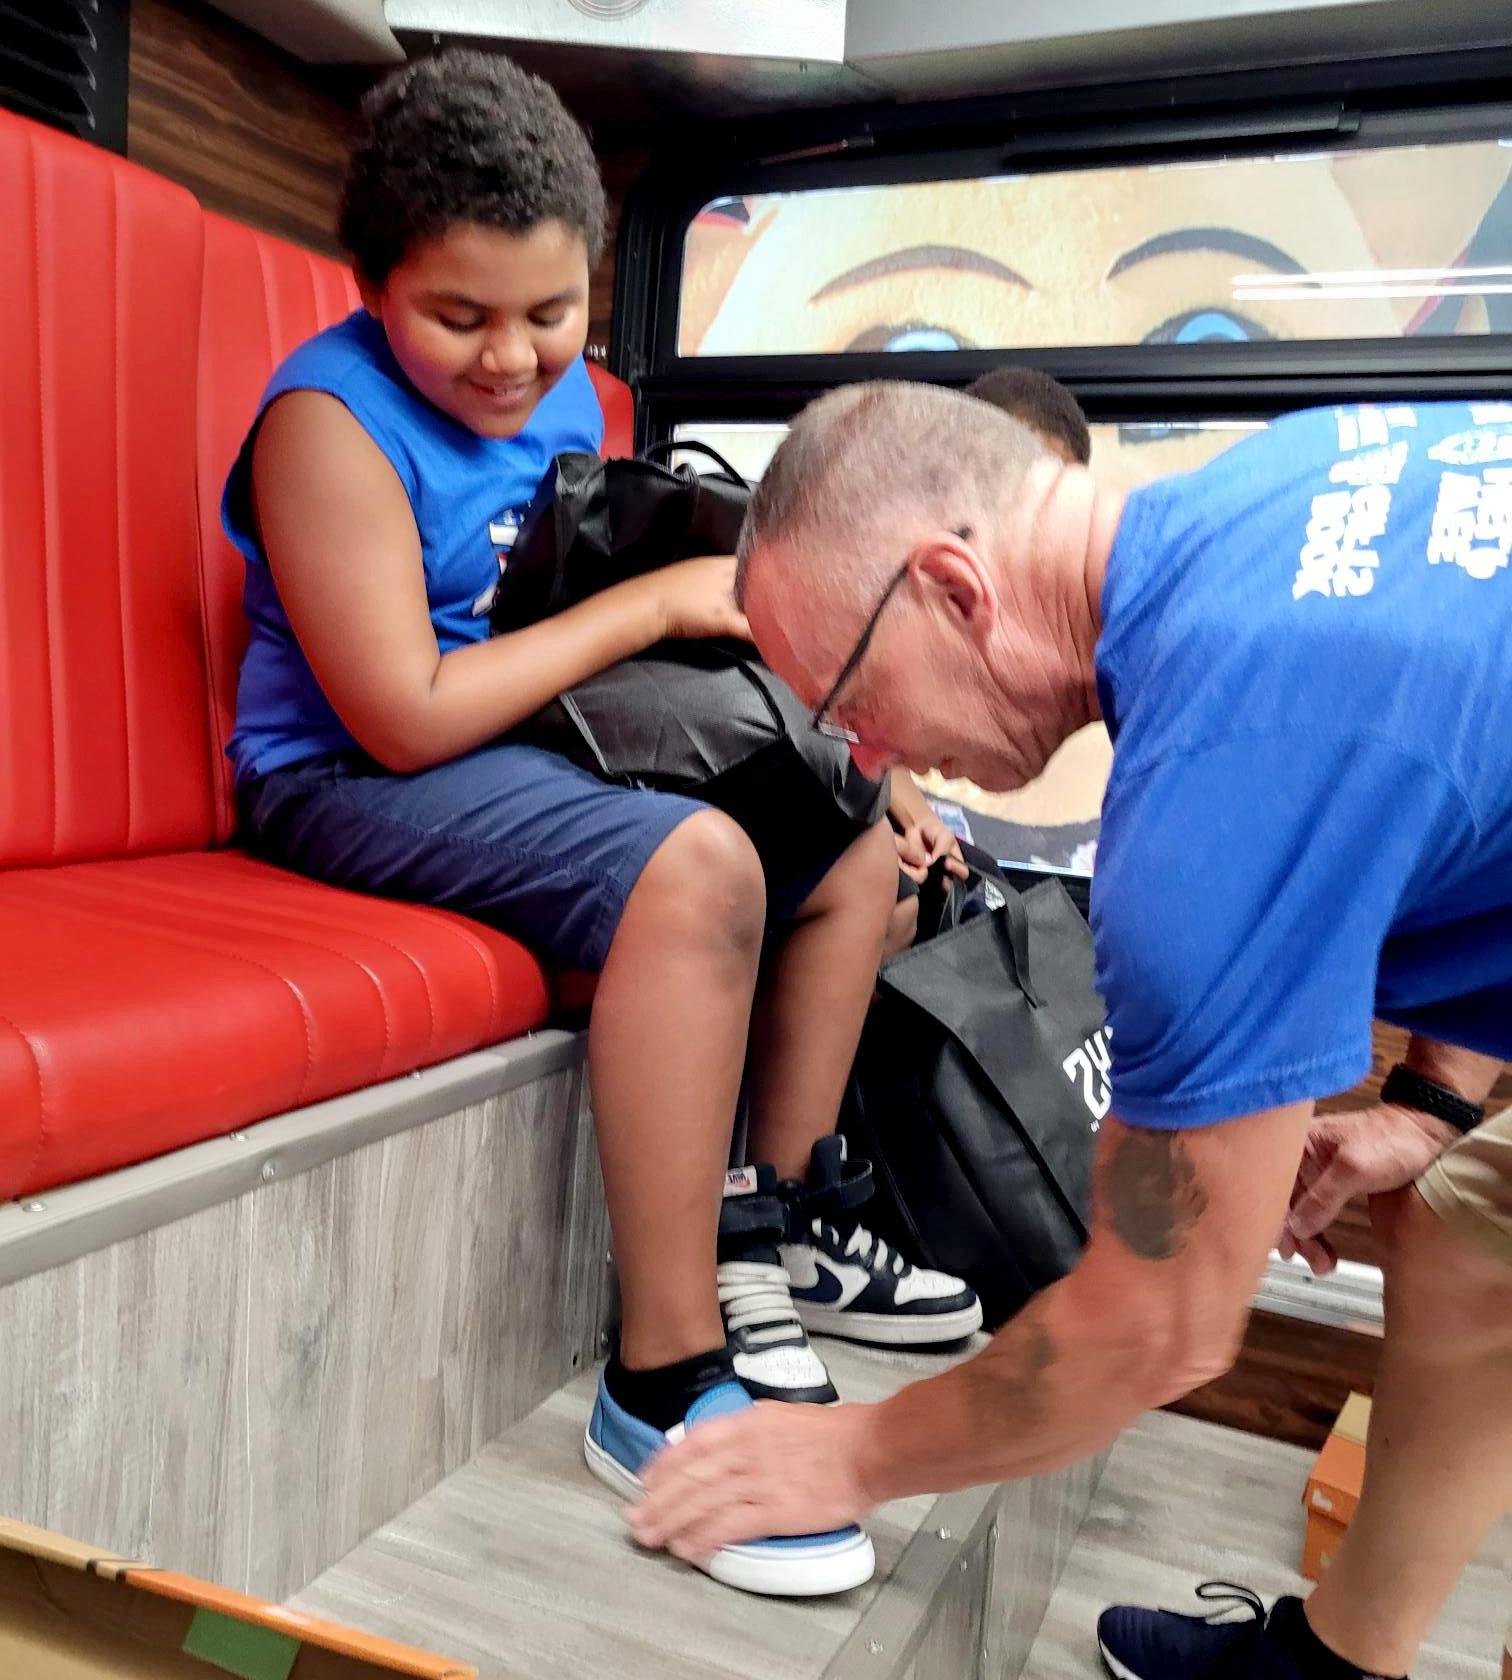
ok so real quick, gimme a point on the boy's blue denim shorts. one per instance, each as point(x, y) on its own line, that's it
point(516, 837)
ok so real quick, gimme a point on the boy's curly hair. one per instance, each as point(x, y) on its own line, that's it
point(464, 136)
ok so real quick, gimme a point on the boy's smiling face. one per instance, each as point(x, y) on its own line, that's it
point(484, 322)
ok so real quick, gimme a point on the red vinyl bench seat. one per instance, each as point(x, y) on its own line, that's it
point(157, 986)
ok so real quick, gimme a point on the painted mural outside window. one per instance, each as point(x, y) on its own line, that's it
point(1387, 243)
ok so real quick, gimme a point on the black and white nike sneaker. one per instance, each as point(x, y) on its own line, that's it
point(847, 1282)
point(763, 1332)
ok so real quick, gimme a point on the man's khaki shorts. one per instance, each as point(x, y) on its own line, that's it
point(1470, 1186)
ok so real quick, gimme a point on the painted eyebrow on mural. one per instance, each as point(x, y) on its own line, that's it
point(922, 256)
point(1229, 240)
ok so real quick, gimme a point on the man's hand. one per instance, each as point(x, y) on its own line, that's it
point(776, 1469)
point(1365, 1153)
point(922, 842)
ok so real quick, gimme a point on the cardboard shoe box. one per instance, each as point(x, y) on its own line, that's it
point(1333, 1488)
point(69, 1613)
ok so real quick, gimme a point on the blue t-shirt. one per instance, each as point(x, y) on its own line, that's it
point(468, 494)
point(1306, 667)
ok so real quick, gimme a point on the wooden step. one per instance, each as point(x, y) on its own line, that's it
point(520, 1563)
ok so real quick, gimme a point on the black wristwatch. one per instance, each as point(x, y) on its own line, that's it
point(1414, 1090)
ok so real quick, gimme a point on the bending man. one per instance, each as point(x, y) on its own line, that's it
point(1300, 652)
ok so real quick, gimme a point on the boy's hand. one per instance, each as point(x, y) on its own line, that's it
point(698, 598)
point(922, 842)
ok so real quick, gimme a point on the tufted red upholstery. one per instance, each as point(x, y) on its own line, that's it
point(156, 1001)
point(104, 741)
point(619, 411)
point(262, 297)
point(155, 991)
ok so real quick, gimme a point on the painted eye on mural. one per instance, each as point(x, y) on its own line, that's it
point(1207, 326)
point(910, 335)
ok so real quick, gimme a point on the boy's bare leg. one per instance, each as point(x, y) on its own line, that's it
point(665, 1051)
point(813, 998)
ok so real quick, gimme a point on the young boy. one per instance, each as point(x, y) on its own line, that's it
point(375, 500)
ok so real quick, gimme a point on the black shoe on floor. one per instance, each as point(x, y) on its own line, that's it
point(1237, 1639)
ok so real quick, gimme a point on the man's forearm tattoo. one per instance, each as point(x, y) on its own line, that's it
point(1152, 1192)
point(1011, 1374)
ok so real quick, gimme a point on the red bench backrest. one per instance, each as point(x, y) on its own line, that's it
point(136, 333)
point(262, 297)
point(104, 732)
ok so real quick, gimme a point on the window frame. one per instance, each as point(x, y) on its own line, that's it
point(1450, 97)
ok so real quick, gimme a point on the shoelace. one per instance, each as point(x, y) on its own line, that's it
point(757, 1297)
point(870, 1250)
point(1229, 1597)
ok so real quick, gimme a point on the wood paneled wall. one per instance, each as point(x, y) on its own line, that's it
point(261, 137)
point(620, 170)
point(247, 1392)
point(251, 131)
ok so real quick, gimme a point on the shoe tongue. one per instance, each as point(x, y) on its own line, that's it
point(752, 1216)
point(754, 1250)
point(826, 1162)
point(750, 1181)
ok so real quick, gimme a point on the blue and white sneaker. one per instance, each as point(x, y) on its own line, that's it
point(618, 1446)
point(847, 1282)
point(1139, 1644)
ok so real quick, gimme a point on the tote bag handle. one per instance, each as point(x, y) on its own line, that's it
point(670, 446)
point(938, 905)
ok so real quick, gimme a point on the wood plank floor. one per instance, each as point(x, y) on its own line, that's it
point(1183, 1502)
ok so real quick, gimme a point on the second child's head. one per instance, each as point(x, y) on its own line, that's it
point(1042, 404)
point(473, 212)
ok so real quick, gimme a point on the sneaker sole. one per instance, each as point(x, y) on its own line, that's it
point(891, 1329)
point(1119, 1671)
point(834, 1568)
point(788, 1396)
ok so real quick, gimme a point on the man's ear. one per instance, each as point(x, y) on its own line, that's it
point(952, 574)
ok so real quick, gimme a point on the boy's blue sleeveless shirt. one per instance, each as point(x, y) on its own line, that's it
point(468, 493)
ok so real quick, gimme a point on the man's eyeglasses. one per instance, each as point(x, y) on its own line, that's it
point(823, 723)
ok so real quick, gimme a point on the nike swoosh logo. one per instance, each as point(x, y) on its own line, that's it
point(836, 1285)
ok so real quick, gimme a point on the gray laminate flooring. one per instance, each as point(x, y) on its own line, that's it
point(1183, 1502)
point(520, 1563)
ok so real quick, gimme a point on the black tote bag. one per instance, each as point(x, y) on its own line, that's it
point(708, 719)
point(701, 717)
point(977, 1092)
point(597, 522)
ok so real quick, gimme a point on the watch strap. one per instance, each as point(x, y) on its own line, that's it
point(1409, 1089)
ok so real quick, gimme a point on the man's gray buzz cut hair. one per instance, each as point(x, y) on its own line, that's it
point(865, 466)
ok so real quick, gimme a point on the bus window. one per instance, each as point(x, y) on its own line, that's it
point(1228, 250)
